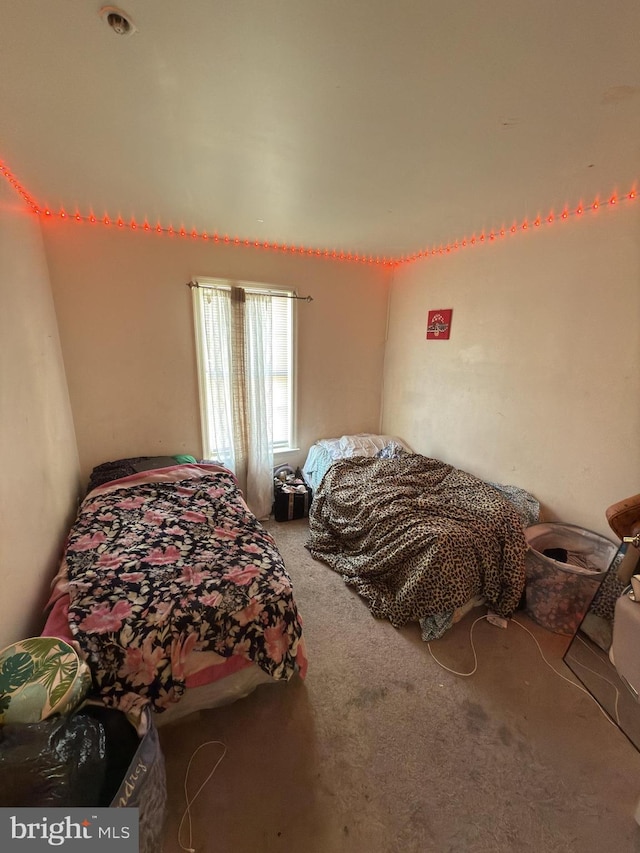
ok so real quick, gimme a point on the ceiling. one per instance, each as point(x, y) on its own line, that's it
point(357, 125)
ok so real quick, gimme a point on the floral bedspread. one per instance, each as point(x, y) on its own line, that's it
point(164, 563)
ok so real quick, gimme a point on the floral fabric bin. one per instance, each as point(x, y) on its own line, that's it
point(565, 565)
point(40, 677)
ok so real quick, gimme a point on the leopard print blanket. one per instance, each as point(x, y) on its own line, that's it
point(417, 537)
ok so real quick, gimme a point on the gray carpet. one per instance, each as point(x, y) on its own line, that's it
point(380, 749)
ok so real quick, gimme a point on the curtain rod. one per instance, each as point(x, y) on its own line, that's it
point(273, 293)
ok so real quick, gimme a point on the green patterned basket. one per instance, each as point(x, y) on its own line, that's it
point(40, 677)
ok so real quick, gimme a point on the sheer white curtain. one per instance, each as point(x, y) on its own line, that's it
point(213, 325)
point(236, 381)
point(259, 402)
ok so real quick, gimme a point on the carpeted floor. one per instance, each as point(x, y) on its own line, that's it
point(381, 750)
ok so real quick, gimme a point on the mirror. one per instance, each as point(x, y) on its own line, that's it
point(603, 653)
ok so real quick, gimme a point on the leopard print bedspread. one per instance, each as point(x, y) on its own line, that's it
point(417, 537)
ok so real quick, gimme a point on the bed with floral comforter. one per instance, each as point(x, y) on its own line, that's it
point(166, 563)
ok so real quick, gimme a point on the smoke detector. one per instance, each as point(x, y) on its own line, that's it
point(118, 20)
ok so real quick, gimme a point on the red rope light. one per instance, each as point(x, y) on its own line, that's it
point(524, 226)
point(17, 186)
point(332, 254)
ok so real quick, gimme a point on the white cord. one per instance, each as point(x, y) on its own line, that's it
point(563, 677)
point(473, 649)
point(190, 802)
point(524, 628)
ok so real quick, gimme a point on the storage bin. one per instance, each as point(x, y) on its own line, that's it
point(40, 677)
point(291, 495)
point(289, 504)
point(564, 567)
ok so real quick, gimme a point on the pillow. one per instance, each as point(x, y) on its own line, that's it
point(151, 462)
point(115, 470)
point(119, 468)
point(366, 444)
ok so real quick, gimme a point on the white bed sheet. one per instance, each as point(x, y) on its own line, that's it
point(326, 451)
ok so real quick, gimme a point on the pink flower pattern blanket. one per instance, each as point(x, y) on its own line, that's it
point(168, 562)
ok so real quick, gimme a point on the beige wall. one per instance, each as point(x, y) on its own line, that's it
point(39, 483)
point(539, 385)
point(126, 327)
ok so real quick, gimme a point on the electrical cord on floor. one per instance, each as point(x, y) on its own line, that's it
point(552, 668)
point(190, 802)
point(473, 649)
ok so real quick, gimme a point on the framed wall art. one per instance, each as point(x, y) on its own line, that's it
point(439, 324)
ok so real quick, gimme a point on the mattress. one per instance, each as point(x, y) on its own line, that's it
point(170, 584)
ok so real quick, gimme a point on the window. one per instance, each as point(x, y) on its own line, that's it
point(245, 349)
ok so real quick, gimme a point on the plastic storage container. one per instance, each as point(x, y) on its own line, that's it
point(39, 678)
point(564, 567)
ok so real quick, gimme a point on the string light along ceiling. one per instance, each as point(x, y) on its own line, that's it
point(333, 254)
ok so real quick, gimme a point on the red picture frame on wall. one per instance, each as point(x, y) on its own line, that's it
point(439, 324)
